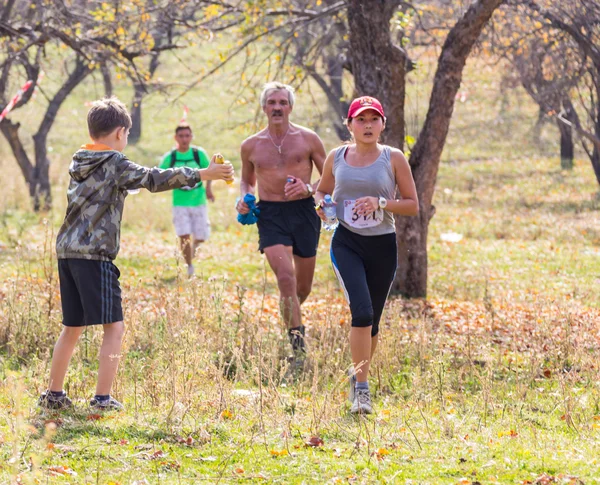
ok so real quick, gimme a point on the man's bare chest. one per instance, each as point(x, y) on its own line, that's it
point(269, 158)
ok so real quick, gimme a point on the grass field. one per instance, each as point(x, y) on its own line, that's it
point(493, 379)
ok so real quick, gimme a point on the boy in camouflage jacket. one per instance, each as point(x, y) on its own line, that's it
point(88, 242)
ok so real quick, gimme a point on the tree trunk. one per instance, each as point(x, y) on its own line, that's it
point(135, 133)
point(596, 151)
point(567, 147)
point(40, 185)
point(378, 66)
point(139, 91)
point(10, 131)
point(411, 278)
point(106, 80)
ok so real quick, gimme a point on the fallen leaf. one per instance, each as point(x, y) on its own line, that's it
point(157, 454)
point(56, 422)
point(314, 441)
point(381, 453)
point(61, 470)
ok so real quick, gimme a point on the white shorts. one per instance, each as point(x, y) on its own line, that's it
point(192, 220)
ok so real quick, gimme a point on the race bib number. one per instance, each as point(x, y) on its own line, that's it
point(353, 219)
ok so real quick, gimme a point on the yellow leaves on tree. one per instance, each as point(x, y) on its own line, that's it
point(211, 11)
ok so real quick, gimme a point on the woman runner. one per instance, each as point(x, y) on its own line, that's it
point(363, 177)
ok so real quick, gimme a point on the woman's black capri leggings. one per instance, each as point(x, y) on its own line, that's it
point(365, 267)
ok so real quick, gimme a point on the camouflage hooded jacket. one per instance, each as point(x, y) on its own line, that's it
point(99, 183)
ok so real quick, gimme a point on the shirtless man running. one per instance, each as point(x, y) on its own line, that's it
point(280, 158)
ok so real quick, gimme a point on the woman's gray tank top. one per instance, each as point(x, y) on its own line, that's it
point(351, 183)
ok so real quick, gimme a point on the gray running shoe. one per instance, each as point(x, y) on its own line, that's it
point(110, 404)
point(352, 384)
point(48, 401)
point(362, 402)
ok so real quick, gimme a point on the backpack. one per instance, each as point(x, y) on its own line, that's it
point(194, 151)
point(196, 154)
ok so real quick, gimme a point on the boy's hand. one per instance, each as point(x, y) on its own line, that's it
point(216, 171)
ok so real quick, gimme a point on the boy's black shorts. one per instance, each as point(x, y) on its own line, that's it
point(294, 223)
point(90, 292)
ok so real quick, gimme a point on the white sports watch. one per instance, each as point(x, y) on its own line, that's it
point(382, 202)
point(309, 189)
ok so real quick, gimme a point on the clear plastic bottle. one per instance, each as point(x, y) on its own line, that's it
point(329, 209)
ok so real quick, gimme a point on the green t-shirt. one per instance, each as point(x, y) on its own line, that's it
point(191, 197)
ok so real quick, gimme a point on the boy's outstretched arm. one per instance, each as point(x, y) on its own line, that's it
point(133, 176)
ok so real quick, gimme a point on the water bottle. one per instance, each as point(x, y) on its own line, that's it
point(329, 209)
point(220, 161)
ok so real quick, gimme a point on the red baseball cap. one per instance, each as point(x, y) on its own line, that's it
point(363, 104)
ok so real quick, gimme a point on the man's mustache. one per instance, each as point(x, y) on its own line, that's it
point(277, 112)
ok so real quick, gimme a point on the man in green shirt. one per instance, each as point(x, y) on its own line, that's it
point(190, 213)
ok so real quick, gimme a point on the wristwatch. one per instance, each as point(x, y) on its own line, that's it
point(382, 202)
point(310, 189)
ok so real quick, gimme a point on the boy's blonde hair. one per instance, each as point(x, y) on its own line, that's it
point(105, 115)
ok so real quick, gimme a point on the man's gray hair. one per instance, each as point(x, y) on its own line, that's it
point(276, 86)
